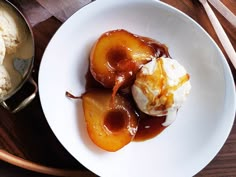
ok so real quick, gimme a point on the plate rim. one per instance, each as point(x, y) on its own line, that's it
point(226, 68)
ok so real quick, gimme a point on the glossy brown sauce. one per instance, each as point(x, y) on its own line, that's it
point(148, 126)
point(116, 55)
point(115, 120)
point(160, 49)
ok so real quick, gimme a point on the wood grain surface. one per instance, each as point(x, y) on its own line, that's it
point(27, 134)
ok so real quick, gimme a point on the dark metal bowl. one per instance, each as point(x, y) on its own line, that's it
point(22, 66)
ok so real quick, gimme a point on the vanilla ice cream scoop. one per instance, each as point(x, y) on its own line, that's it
point(5, 82)
point(161, 87)
point(2, 49)
point(12, 28)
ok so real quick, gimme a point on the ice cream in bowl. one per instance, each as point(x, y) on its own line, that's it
point(16, 54)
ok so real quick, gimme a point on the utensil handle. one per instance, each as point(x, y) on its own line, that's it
point(221, 34)
point(224, 11)
point(26, 101)
point(28, 165)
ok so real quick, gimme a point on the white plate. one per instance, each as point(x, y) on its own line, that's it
point(203, 123)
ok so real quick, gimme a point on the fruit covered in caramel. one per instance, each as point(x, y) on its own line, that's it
point(112, 115)
point(117, 56)
point(110, 126)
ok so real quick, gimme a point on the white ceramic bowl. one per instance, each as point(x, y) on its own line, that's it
point(203, 123)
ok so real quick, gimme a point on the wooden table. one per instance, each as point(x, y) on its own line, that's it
point(27, 134)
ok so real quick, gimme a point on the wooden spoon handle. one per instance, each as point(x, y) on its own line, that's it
point(225, 12)
point(17, 161)
point(221, 34)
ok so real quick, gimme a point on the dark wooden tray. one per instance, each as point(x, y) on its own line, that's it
point(27, 134)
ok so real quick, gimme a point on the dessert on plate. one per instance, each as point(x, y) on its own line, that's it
point(134, 89)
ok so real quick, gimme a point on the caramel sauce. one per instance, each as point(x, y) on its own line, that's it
point(91, 83)
point(116, 56)
point(160, 49)
point(115, 120)
point(149, 127)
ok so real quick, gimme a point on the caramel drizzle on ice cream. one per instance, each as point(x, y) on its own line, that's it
point(157, 81)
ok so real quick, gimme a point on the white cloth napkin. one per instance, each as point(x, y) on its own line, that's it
point(37, 11)
point(63, 9)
